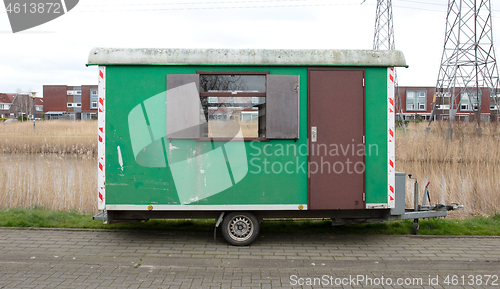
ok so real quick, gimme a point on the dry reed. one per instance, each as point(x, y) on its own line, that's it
point(51, 181)
point(61, 137)
point(55, 166)
point(464, 169)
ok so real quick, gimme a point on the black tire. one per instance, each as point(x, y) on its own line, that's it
point(415, 228)
point(240, 228)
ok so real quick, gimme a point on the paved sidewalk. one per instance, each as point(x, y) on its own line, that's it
point(144, 259)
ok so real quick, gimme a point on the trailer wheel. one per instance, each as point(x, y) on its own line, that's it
point(240, 228)
point(415, 227)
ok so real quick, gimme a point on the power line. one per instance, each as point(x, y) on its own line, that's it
point(197, 3)
point(226, 7)
point(420, 2)
point(428, 3)
point(241, 7)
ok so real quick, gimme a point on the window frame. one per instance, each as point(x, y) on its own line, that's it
point(232, 94)
point(282, 117)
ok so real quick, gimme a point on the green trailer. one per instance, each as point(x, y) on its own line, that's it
point(240, 135)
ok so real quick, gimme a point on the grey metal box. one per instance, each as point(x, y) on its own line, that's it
point(400, 194)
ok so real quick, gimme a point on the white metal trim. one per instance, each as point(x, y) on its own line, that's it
point(377, 206)
point(206, 207)
point(391, 133)
point(101, 120)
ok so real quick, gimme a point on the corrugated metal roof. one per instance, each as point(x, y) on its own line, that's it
point(282, 57)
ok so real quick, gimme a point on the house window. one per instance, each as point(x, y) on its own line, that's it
point(70, 104)
point(214, 104)
point(78, 104)
point(416, 99)
point(469, 101)
point(74, 92)
point(93, 98)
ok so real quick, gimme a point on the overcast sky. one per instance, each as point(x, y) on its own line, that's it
point(56, 52)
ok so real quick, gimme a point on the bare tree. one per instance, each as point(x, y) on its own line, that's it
point(22, 103)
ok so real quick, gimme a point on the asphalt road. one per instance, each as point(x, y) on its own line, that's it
point(143, 259)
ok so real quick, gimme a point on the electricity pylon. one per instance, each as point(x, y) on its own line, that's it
point(468, 63)
point(384, 40)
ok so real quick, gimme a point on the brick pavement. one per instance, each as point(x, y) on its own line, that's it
point(144, 259)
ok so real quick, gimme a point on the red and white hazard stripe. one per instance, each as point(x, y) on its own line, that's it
point(391, 131)
point(101, 139)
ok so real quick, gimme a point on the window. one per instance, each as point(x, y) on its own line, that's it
point(225, 98)
point(93, 98)
point(70, 104)
point(38, 108)
point(78, 104)
point(213, 104)
point(416, 99)
point(88, 115)
point(74, 92)
point(469, 101)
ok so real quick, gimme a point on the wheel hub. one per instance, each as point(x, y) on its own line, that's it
point(240, 228)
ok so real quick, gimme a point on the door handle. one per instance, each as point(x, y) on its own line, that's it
point(314, 134)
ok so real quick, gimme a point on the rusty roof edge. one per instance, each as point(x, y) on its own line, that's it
point(152, 56)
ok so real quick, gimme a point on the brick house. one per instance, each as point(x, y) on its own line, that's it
point(416, 102)
point(70, 102)
point(6, 100)
point(13, 105)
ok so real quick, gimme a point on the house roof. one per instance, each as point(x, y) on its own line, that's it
point(261, 57)
point(7, 97)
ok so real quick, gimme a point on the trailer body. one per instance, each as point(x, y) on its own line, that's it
point(198, 133)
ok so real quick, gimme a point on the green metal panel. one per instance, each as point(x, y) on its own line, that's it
point(276, 172)
point(376, 135)
point(136, 121)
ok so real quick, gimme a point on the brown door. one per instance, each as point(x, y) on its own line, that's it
point(336, 168)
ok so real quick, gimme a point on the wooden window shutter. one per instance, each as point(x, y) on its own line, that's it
point(282, 107)
point(184, 113)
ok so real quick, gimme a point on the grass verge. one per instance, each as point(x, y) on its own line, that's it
point(42, 218)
